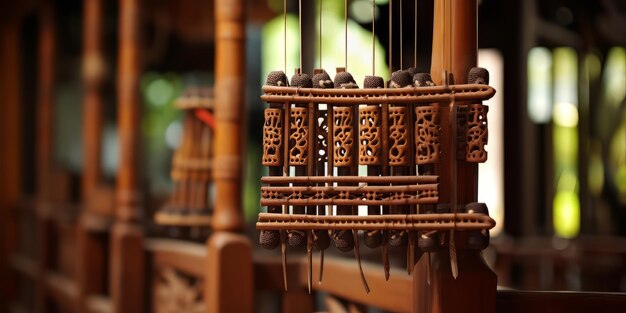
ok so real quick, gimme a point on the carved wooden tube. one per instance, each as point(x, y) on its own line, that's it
point(476, 131)
point(476, 136)
point(370, 149)
point(399, 148)
point(427, 149)
point(273, 143)
point(344, 152)
point(321, 79)
point(299, 147)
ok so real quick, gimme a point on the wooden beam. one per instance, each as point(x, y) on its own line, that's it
point(127, 255)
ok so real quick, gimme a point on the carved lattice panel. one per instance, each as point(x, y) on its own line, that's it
point(370, 135)
point(175, 293)
point(298, 136)
point(477, 133)
point(427, 130)
point(322, 136)
point(272, 137)
point(343, 136)
point(398, 136)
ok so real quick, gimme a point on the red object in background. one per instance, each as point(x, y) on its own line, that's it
point(205, 116)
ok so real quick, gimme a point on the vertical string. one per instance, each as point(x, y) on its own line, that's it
point(445, 42)
point(450, 40)
point(285, 34)
point(345, 10)
point(321, 33)
point(415, 39)
point(390, 38)
point(401, 38)
point(300, 30)
point(373, 41)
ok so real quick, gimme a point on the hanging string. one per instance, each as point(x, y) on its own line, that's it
point(300, 29)
point(321, 34)
point(285, 34)
point(450, 35)
point(373, 43)
point(401, 38)
point(345, 10)
point(390, 38)
point(415, 39)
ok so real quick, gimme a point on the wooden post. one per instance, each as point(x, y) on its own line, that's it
point(93, 69)
point(229, 284)
point(45, 99)
point(91, 250)
point(10, 158)
point(127, 258)
point(454, 51)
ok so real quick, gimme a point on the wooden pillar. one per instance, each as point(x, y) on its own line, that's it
point(10, 158)
point(45, 108)
point(91, 250)
point(229, 284)
point(93, 70)
point(127, 258)
point(474, 290)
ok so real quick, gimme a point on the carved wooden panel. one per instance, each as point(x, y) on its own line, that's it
point(322, 136)
point(477, 133)
point(174, 293)
point(343, 136)
point(370, 135)
point(299, 136)
point(427, 130)
point(398, 136)
point(272, 137)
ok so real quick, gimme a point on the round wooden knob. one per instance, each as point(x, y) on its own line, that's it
point(344, 241)
point(296, 238)
point(373, 82)
point(277, 78)
point(321, 239)
point(477, 239)
point(400, 79)
point(373, 239)
point(422, 80)
point(345, 80)
point(269, 239)
point(321, 79)
point(478, 75)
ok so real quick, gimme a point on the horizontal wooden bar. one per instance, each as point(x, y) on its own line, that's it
point(361, 189)
point(313, 201)
point(62, 289)
point(99, 304)
point(406, 95)
point(514, 301)
point(341, 278)
point(446, 221)
point(185, 220)
point(24, 265)
point(187, 257)
point(421, 179)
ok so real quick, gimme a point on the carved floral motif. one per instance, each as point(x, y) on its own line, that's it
point(272, 137)
point(174, 293)
point(398, 136)
point(343, 136)
point(369, 135)
point(477, 133)
point(427, 131)
point(299, 136)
